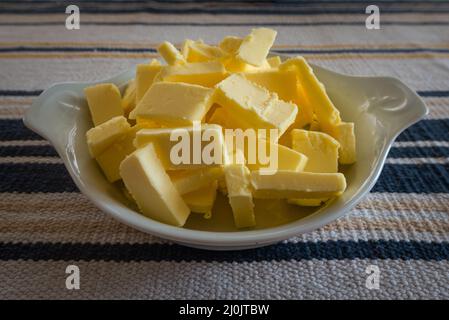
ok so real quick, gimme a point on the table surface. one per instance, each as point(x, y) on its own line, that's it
point(402, 226)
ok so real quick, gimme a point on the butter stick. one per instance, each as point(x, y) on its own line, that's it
point(151, 187)
point(254, 104)
point(187, 149)
point(255, 47)
point(292, 184)
point(105, 102)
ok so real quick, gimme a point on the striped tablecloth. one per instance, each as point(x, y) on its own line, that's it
point(402, 226)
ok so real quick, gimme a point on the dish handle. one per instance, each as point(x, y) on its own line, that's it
point(396, 106)
point(53, 115)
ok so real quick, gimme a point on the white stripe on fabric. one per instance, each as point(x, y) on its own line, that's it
point(311, 279)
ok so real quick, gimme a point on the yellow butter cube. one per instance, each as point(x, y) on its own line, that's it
point(105, 102)
point(288, 159)
point(316, 98)
point(262, 154)
point(129, 98)
point(322, 152)
point(255, 47)
point(187, 181)
point(233, 65)
point(102, 136)
point(238, 186)
point(110, 159)
point(319, 147)
point(346, 137)
point(285, 184)
point(222, 118)
point(202, 200)
point(230, 44)
point(149, 123)
point(151, 187)
point(198, 153)
point(285, 84)
point(198, 51)
point(145, 75)
point(274, 62)
point(254, 104)
point(170, 54)
point(206, 74)
point(179, 103)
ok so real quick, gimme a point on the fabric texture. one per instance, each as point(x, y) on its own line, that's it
point(402, 226)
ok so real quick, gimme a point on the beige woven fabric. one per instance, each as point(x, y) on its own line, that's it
point(402, 226)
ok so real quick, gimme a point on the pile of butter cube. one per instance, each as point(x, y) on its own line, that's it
point(234, 85)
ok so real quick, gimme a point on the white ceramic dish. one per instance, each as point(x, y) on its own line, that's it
point(380, 107)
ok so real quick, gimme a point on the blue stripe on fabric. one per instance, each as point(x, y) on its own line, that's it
point(320, 250)
point(413, 178)
point(48, 178)
point(235, 24)
point(280, 51)
point(28, 151)
point(14, 129)
point(26, 93)
point(20, 93)
point(429, 129)
point(221, 11)
point(434, 93)
point(369, 50)
point(236, 2)
point(76, 49)
point(35, 177)
point(399, 152)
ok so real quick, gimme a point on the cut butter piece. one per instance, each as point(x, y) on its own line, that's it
point(234, 65)
point(322, 151)
point(105, 102)
point(319, 147)
point(316, 98)
point(198, 51)
point(150, 123)
point(230, 44)
point(206, 74)
point(151, 187)
point(187, 156)
point(327, 115)
point(220, 117)
point(174, 103)
point(129, 97)
point(255, 47)
point(284, 83)
point(239, 193)
point(102, 136)
point(263, 154)
point(274, 61)
point(346, 137)
point(145, 75)
point(202, 200)
point(187, 181)
point(110, 159)
point(287, 159)
point(170, 54)
point(292, 184)
point(254, 104)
